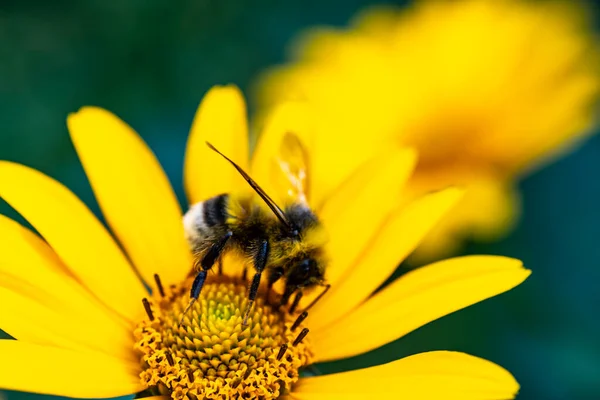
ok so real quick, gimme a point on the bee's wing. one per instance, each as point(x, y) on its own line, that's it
point(292, 172)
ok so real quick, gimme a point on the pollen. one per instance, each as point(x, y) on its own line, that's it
point(210, 354)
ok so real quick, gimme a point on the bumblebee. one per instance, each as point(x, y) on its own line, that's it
point(285, 244)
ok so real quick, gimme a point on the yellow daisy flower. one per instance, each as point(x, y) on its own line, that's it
point(75, 294)
point(485, 90)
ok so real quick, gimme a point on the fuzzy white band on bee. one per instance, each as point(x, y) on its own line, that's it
point(193, 223)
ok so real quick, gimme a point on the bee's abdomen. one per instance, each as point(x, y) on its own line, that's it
point(204, 218)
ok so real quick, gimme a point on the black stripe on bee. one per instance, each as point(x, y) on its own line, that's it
point(215, 211)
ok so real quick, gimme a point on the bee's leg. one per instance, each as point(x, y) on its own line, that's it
point(209, 259)
point(274, 275)
point(289, 290)
point(260, 261)
point(296, 301)
point(319, 297)
point(195, 292)
point(220, 265)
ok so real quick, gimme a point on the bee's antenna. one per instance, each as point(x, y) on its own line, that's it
point(312, 303)
point(272, 205)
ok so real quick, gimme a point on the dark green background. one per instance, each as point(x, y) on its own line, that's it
point(150, 62)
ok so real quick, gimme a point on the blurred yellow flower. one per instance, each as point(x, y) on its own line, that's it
point(73, 300)
point(485, 90)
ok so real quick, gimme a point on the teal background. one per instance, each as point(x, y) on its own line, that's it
point(150, 62)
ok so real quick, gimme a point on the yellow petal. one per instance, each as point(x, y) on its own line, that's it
point(472, 217)
point(433, 375)
point(396, 239)
point(221, 120)
point(48, 370)
point(76, 236)
point(133, 192)
point(358, 209)
point(35, 322)
point(20, 245)
point(22, 326)
point(30, 267)
point(290, 117)
point(417, 298)
point(156, 398)
point(37, 286)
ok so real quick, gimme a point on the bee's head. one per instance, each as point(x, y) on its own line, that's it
point(300, 218)
point(307, 272)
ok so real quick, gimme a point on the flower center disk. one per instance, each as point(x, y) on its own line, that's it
point(210, 354)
